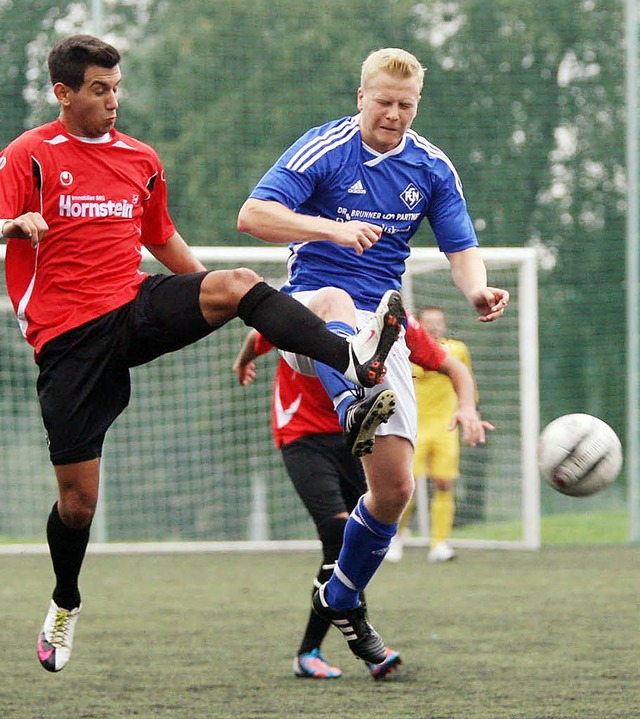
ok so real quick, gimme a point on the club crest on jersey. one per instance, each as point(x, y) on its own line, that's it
point(411, 196)
point(66, 178)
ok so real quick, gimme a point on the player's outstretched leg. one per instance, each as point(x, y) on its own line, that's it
point(363, 417)
point(56, 637)
point(370, 346)
point(292, 327)
point(362, 638)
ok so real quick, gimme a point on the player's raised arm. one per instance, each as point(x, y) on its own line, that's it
point(273, 222)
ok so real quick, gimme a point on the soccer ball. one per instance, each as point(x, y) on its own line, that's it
point(579, 454)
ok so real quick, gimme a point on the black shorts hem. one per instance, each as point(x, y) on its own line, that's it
point(74, 456)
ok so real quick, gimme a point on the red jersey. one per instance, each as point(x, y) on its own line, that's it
point(300, 405)
point(102, 202)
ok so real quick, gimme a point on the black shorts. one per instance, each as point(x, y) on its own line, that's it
point(328, 478)
point(84, 382)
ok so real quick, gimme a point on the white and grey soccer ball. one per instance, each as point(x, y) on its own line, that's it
point(579, 454)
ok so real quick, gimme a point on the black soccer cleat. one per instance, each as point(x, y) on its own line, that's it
point(362, 638)
point(363, 417)
point(370, 346)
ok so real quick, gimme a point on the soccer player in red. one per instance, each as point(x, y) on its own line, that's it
point(80, 199)
point(325, 473)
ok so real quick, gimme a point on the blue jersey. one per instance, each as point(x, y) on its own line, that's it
point(330, 173)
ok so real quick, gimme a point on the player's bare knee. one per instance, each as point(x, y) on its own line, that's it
point(242, 279)
point(225, 288)
point(405, 494)
point(76, 513)
point(397, 495)
point(333, 303)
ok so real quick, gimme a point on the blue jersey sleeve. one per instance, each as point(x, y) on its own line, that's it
point(281, 183)
point(447, 212)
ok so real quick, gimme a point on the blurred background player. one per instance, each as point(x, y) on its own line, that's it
point(324, 472)
point(437, 452)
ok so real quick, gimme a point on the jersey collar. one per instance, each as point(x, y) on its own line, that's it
point(380, 156)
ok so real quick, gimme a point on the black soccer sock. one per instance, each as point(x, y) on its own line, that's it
point(67, 548)
point(290, 326)
point(330, 532)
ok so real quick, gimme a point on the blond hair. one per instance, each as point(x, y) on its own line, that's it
point(394, 61)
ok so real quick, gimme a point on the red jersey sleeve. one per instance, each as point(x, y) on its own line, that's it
point(425, 351)
point(262, 345)
point(18, 189)
point(157, 225)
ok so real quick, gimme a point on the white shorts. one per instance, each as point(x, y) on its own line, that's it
point(404, 421)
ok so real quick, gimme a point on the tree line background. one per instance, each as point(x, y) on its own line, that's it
point(526, 98)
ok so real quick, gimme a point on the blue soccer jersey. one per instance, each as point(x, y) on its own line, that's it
point(330, 173)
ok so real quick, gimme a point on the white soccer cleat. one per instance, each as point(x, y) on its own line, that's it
point(370, 346)
point(56, 637)
point(441, 552)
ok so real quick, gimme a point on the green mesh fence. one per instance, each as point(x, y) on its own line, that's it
point(526, 98)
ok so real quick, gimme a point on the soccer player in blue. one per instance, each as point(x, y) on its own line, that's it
point(348, 196)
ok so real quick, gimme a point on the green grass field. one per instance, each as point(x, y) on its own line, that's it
point(494, 635)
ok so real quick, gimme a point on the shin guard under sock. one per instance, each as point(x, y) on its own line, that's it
point(366, 541)
point(67, 547)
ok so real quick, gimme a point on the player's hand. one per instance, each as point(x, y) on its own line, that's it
point(30, 226)
point(245, 372)
point(473, 428)
point(359, 235)
point(490, 303)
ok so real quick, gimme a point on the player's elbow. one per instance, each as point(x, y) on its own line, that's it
point(247, 218)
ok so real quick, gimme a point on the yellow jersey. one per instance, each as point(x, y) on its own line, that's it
point(435, 395)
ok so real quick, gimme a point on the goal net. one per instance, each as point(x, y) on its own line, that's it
point(192, 464)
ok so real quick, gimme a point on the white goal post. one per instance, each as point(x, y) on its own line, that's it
point(191, 465)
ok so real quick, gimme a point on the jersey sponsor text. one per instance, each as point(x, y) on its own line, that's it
point(94, 208)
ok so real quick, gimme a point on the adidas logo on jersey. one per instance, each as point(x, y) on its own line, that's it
point(357, 188)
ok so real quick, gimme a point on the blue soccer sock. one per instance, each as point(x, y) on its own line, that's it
point(365, 544)
point(341, 391)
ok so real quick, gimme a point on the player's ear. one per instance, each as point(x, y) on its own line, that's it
point(62, 93)
point(360, 95)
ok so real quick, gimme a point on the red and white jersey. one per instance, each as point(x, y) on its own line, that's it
point(300, 405)
point(102, 202)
